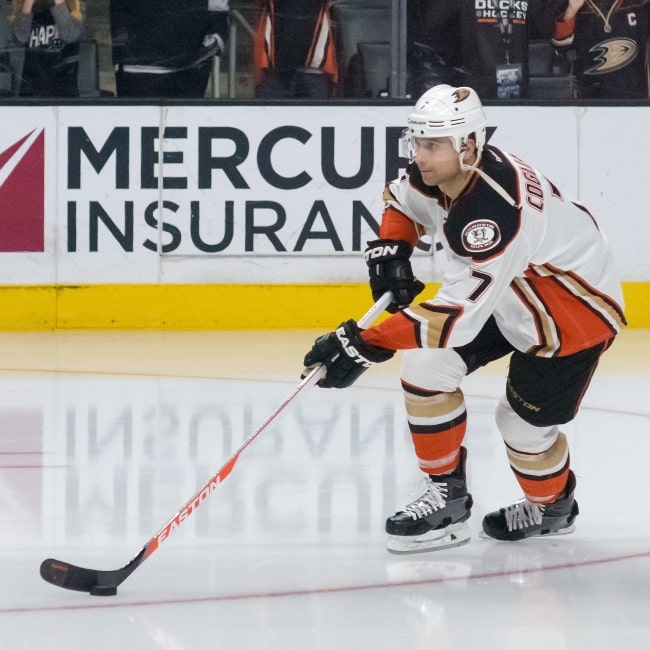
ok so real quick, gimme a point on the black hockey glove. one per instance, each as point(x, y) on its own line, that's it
point(389, 268)
point(345, 355)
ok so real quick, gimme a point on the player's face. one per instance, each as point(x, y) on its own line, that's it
point(437, 160)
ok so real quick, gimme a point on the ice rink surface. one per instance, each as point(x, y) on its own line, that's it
point(104, 436)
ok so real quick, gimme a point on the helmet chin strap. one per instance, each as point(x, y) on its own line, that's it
point(490, 181)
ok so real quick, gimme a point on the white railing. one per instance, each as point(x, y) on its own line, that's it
point(237, 22)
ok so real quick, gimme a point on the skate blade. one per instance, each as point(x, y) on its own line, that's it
point(435, 540)
point(563, 531)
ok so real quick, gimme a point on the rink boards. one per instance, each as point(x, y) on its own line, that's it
point(247, 216)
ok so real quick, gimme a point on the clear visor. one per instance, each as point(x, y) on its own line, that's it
point(409, 145)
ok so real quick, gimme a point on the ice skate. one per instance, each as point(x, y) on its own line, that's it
point(525, 519)
point(435, 520)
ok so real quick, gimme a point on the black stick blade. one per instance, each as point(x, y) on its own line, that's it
point(92, 581)
point(74, 577)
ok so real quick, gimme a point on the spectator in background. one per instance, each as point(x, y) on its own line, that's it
point(294, 53)
point(48, 33)
point(492, 41)
point(610, 41)
point(165, 48)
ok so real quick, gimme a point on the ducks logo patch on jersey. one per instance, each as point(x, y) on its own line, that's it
point(480, 236)
point(612, 54)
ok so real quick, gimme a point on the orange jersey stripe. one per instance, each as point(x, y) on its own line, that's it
point(420, 326)
point(570, 315)
point(396, 225)
point(396, 333)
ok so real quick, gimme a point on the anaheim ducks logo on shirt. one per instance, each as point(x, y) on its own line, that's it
point(480, 235)
point(460, 94)
point(612, 54)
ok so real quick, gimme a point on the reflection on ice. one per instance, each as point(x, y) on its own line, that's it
point(291, 545)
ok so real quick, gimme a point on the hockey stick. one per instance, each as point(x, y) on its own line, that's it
point(104, 583)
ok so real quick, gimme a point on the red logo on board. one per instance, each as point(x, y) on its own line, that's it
point(22, 195)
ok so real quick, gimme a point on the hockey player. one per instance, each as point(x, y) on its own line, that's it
point(529, 274)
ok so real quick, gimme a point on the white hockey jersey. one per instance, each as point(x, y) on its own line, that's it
point(542, 267)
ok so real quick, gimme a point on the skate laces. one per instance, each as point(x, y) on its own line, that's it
point(433, 499)
point(522, 514)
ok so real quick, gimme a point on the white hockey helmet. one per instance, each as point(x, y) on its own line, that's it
point(445, 111)
point(456, 113)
